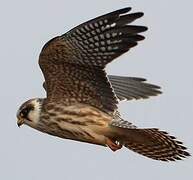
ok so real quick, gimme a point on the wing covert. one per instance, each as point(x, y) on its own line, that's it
point(98, 41)
point(73, 64)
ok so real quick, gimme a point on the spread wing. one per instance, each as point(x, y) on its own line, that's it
point(73, 64)
point(128, 88)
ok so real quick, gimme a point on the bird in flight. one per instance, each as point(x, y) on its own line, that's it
point(81, 102)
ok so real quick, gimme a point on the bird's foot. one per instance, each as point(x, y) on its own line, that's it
point(114, 146)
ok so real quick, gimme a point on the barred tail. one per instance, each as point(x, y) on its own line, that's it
point(152, 143)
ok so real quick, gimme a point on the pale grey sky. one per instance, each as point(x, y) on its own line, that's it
point(164, 58)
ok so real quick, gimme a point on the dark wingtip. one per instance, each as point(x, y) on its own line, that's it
point(143, 28)
point(139, 14)
point(125, 10)
point(122, 11)
point(138, 29)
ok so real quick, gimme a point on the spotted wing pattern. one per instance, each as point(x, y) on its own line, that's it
point(128, 88)
point(73, 64)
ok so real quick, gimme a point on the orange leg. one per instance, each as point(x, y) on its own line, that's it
point(113, 145)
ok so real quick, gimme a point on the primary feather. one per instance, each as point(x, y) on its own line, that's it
point(81, 102)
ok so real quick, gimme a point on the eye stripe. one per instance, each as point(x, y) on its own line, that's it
point(25, 111)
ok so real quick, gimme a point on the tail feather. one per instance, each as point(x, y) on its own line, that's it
point(152, 143)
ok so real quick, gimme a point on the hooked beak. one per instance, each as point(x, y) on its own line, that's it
point(20, 121)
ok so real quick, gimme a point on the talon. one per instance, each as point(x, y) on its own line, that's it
point(113, 145)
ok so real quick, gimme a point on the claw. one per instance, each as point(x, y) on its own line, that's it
point(114, 146)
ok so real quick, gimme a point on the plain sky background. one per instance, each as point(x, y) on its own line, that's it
point(164, 58)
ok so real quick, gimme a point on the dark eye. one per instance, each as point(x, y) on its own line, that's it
point(24, 112)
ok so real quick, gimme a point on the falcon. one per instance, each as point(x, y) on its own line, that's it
point(81, 102)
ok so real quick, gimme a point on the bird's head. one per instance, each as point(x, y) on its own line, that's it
point(29, 112)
